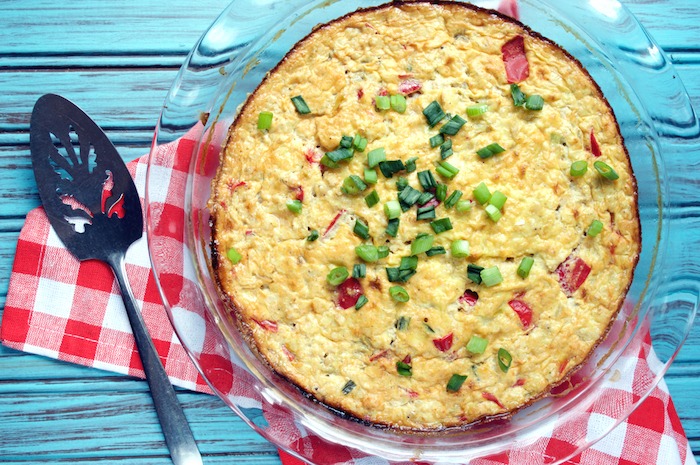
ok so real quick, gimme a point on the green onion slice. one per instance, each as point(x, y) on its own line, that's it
point(518, 95)
point(392, 209)
point(233, 255)
point(474, 273)
point(437, 140)
point(477, 345)
point(402, 323)
point(438, 250)
point(491, 276)
point(409, 263)
point(453, 199)
point(325, 161)
point(399, 294)
point(349, 386)
point(490, 150)
point(391, 167)
point(493, 213)
point(422, 243)
point(409, 196)
point(411, 164)
point(460, 248)
point(367, 252)
point(382, 102)
point(426, 213)
point(359, 270)
point(456, 382)
point(359, 143)
point(372, 199)
point(534, 103)
point(353, 184)
point(264, 120)
point(375, 156)
point(313, 235)
point(605, 170)
point(595, 228)
point(475, 111)
point(361, 301)
point(294, 206)
point(337, 275)
point(345, 142)
point(341, 153)
point(441, 225)
point(504, 359)
point(434, 113)
point(427, 180)
point(300, 105)
point(425, 197)
point(361, 229)
point(371, 176)
point(392, 227)
point(463, 206)
point(446, 150)
point(482, 193)
point(578, 168)
point(398, 103)
point(453, 126)
point(447, 170)
point(404, 369)
point(441, 192)
point(401, 183)
point(525, 267)
point(383, 251)
point(498, 199)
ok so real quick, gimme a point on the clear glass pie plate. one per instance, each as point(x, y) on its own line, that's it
point(229, 61)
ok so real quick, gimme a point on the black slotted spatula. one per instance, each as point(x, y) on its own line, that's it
point(92, 204)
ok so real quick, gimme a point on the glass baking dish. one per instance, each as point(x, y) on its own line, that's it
point(229, 61)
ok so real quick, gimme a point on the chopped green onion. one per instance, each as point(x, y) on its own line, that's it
point(398, 275)
point(426, 213)
point(595, 228)
point(409, 196)
point(325, 161)
point(392, 227)
point(337, 275)
point(409, 263)
point(605, 170)
point(361, 229)
point(493, 213)
point(353, 184)
point(438, 250)
point(294, 206)
point(401, 183)
point(504, 359)
point(477, 345)
point(371, 176)
point(453, 199)
point(425, 197)
point(313, 235)
point(446, 150)
point(441, 192)
point(498, 199)
point(441, 225)
point(446, 170)
point(534, 103)
point(411, 164)
point(372, 199)
point(453, 126)
point(463, 206)
point(383, 251)
point(359, 143)
point(518, 95)
point(403, 369)
point(341, 153)
point(433, 113)
point(265, 120)
point(392, 209)
point(402, 323)
point(427, 180)
point(300, 105)
point(460, 249)
point(399, 294)
point(491, 276)
point(490, 150)
point(578, 168)
point(525, 267)
point(456, 382)
point(345, 142)
point(233, 255)
point(398, 103)
point(436, 140)
point(422, 243)
point(367, 252)
point(382, 102)
point(391, 167)
point(482, 193)
point(349, 386)
point(375, 156)
point(474, 273)
point(359, 270)
point(361, 301)
point(474, 111)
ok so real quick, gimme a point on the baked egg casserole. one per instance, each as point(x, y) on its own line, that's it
point(425, 216)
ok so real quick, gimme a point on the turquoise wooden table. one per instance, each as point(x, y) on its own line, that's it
point(117, 60)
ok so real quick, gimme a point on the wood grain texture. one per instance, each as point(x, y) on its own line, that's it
point(117, 60)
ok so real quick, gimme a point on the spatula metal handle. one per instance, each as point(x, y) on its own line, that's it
point(178, 436)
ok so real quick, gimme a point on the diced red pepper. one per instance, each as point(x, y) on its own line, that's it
point(360, 93)
point(431, 203)
point(383, 92)
point(288, 353)
point(515, 60)
point(444, 344)
point(334, 221)
point(299, 193)
point(232, 184)
point(523, 311)
point(509, 8)
point(312, 156)
point(267, 325)
point(572, 272)
point(407, 359)
point(492, 398)
point(410, 86)
point(469, 297)
point(519, 382)
point(378, 355)
point(595, 147)
point(348, 292)
point(411, 393)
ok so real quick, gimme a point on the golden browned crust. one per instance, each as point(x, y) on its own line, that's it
point(259, 262)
